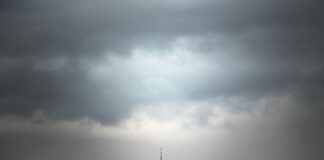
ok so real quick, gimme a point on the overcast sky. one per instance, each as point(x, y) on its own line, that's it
point(204, 79)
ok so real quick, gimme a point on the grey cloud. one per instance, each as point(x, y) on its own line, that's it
point(69, 61)
point(270, 48)
point(83, 27)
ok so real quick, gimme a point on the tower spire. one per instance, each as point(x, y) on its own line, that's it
point(161, 153)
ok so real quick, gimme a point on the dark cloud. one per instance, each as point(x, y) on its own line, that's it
point(82, 27)
point(103, 79)
point(269, 48)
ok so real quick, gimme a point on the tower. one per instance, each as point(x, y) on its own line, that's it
point(161, 153)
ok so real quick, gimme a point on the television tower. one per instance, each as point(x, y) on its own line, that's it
point(161, 153)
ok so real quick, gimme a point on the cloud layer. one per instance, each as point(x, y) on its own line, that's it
point(241, 73)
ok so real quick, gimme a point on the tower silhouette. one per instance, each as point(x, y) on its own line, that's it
point(161, 153)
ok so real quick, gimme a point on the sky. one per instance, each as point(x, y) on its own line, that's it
point(204, 79)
